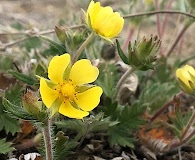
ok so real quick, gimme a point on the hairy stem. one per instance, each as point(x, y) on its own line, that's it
point(82, 47)
point(46, 130)
point(121, 81)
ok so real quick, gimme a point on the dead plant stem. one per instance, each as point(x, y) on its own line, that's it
point(190, 123)
point(164, 107)
point(183, 30)
point(159, 12)
point(30, 35)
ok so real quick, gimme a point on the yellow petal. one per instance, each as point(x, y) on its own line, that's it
point(112, 26)
point(181, 74)
point(89, 99)
point(184, 74)
point(190, 69)
point(93, 11)
point(48, 95)
point(68, 110)
point(90, 7)
point(107, 23)
point(102, 16)
point(82, 72)
point(57, 66)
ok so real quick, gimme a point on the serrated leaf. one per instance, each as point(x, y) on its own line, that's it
point(61, 49)
point(120, 135)
point(16, 111)
point(63, 146)
point(121, 53)
point(23, 77)
point(5, 147)
point(11, 125)
point(156, 95)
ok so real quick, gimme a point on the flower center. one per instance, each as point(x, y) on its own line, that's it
point(68, 90)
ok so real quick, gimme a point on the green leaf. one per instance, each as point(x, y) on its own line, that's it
point(6, 62)
point(121, 53)
point(121, 135)
point(14, 94)
point(63, 146)
point(32, 43)
point(60, 48)
point(156, 95)
point(17, 25)
point(5, 147)
point(11, 125)
point(16, 111)
point(23, 77)
point(107, 78)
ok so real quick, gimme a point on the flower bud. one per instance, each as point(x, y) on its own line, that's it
point(186, 77)
point(31, 103)
point(142, 53)
point(61, 34)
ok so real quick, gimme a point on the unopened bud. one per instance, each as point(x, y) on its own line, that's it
point(141, 54)
point(186, 77)
point(31, 103)
point(61, 33)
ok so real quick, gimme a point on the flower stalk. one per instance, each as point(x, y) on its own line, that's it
point(121, 81)
point(46, 131)
point(82, 47)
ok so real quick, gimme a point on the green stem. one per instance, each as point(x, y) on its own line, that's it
point(81, 48)
point(46, 130)
point(121, 81)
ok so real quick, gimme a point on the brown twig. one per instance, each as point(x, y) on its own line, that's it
point(190, 123)
point(165, 107)
point(158, 19)
point(159, 12)
point(166, 17)
point(31, 35)
point(178, 144)
point(183, 30)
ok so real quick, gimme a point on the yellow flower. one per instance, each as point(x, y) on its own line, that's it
point(186, 77)
point(68, 91)
point(103, 21)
